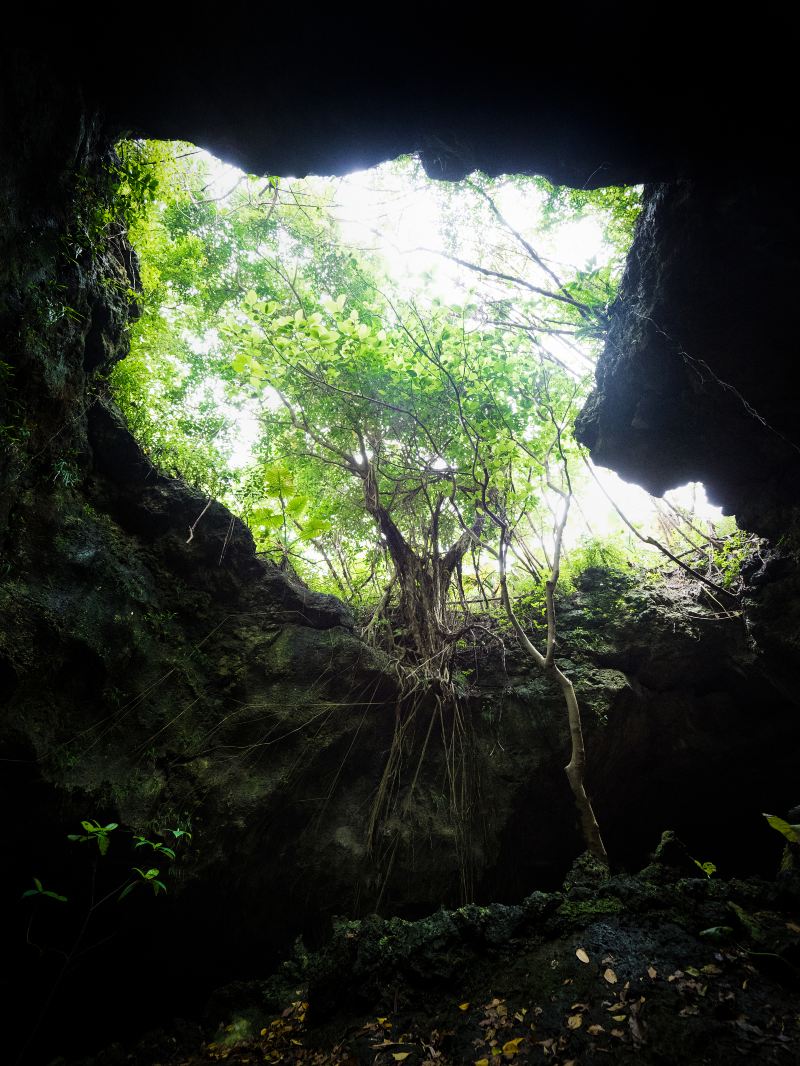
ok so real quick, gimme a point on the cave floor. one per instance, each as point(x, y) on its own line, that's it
point(658, 968)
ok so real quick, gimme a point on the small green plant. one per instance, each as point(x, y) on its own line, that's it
point(95, 833)
point(179, 833)
point(65, 472)
point(104, 886)
point(708, 868)
point(146, 877)
point(143, 842)
point(39, 890)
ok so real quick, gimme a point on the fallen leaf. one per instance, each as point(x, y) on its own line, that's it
point(511, 1047)
point(710, 968)
point(652, 972)
point(481, 1062)
point(583, 956)
point(618, 1017)
point(520, 1014)
point(463, 1006)
point(575, 1021)
point(595, 1030)
point(615, 1006)
point(398, 1056)
point(618, 1033)
point(610, 976)
point(793, 927)
point(686, 1011)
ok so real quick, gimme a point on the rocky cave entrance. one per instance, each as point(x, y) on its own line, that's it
point(134, 621)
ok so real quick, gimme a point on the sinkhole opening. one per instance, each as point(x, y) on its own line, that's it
point(363, 365)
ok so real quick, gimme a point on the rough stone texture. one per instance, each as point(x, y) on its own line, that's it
point(697, 379)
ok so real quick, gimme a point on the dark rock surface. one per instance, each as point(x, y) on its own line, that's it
point(698, 378)
point(588, 100)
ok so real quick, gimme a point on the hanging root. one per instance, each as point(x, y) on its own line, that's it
point(428, 699)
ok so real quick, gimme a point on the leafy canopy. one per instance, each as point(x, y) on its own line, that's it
point(284, 367)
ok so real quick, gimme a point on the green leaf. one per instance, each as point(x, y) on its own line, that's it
point(126, 891)
point(708, 868)
point(296, 506)
point(315, 527)
point(791, 832)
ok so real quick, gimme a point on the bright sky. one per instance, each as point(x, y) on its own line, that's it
point(403, 219)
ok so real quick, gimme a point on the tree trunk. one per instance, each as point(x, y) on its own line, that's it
point(423, 580)
point(576, 767)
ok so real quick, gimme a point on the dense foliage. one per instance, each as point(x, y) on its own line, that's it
point(256, 310)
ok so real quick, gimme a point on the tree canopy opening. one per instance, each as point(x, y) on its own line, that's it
point(380, 375)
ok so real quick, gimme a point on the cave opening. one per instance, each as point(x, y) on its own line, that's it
point(526, 269)
point(379, 375)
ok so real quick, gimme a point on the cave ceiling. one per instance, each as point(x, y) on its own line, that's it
point(574, 94)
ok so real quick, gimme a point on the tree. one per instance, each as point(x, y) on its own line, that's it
point(409, 449)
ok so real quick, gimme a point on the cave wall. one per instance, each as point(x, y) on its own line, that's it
point(697, 381)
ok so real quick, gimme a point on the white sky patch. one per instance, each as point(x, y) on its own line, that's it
point(596, 516)
point(248, 431)
point(405, 224)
